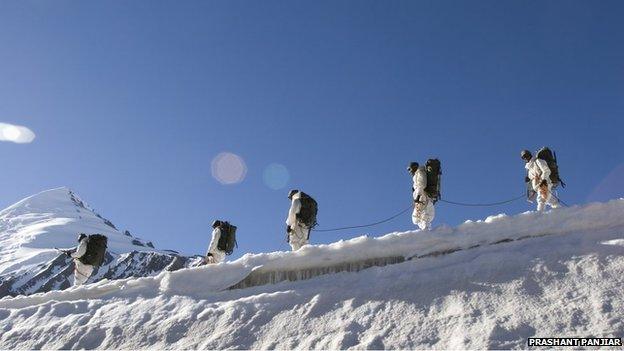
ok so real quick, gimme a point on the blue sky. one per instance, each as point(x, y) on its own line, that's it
point(131, 101)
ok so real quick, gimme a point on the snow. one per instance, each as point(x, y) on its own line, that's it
point(619, 242)
point(31, 228)
point(506, 278)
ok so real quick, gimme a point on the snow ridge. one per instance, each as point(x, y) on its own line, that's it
point(564, 278)
point(364, 252)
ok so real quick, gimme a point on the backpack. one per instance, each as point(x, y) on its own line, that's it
point(227, 240)
point(551, 160)
point(434, 179)
point(308, 211)
point(96, 250)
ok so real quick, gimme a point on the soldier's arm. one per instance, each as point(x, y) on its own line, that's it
point(81, 250)
point(544, 168)
point(216, 235)
point(292, 214)
point(420, 183)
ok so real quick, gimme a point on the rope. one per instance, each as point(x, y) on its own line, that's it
point(484, 205)
point(441, 200)
point(77, 271)
point(366, 225)
point(552, 193)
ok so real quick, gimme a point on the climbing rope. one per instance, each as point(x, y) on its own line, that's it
point(483, 204)
point(552, 193)
point(441, 200)
point(366, 225)
point(409, 208)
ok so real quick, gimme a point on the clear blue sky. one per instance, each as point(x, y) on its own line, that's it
point(131, 100)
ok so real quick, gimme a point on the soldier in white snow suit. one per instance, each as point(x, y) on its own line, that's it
point(296, 231)
point(538, 174)
point(82, 271)
point(214, 255)
point(424, 211)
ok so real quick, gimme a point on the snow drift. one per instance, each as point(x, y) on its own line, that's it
point(483, 284)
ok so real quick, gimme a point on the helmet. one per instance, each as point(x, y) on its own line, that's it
point(216, 223)
point(81, 236)
point(412, 167)
point(526, 155)
point(292, 193)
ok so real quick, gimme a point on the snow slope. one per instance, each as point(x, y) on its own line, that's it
point(484, 284)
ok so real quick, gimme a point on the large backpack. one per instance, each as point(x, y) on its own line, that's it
point(551, 159)
point(434, 179)
point(308, 211)
point(227, 240)
point(96, 250)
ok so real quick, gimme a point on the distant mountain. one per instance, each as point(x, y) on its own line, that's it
point(33, 227)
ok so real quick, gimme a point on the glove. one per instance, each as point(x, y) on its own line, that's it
point(209, 255)
point(417, 201)
point(288, 229)
point(527, 179)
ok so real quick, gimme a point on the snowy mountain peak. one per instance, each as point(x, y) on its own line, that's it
point(34, 226)
point(31, 229)
point(58, 200)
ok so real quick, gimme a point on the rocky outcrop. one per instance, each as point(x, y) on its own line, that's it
point(58, 273)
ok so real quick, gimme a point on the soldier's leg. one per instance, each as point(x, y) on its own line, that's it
point(552, 198)
point(429, 214)
point(426, 214)
point(295, 245)
point(306, 236)
point(299, 237)
point(543, 193)
point(294, 241)
point(541, 203)
point(419, 217)
point(82, 272)
point(218, 257)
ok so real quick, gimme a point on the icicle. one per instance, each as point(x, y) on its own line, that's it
point(260, 277)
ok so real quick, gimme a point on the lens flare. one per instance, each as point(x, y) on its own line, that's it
point(228, 168)
point(276, 176)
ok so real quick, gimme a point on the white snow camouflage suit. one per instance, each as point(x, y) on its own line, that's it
point(218, 256)
point(82, 271)
point(538, 171)
point(298, 235)
point(424, 212)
